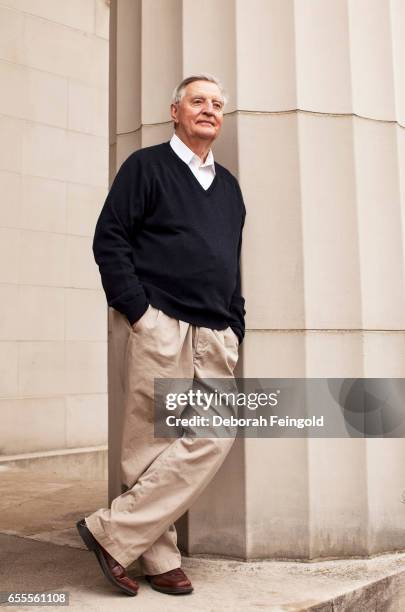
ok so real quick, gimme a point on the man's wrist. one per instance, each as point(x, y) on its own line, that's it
point(137, 313)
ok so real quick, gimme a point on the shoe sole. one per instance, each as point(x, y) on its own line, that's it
point(93, 545)
point(178, 591)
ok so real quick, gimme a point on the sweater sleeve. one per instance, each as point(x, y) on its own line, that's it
point(237, 307)
point(120, 218)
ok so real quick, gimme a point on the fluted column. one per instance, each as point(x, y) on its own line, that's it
point(315, 133)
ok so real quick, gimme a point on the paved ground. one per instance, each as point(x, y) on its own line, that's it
point(40, 549)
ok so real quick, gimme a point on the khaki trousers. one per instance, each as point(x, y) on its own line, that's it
point(163, 476)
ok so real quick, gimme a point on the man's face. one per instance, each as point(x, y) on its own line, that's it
point(200, 111)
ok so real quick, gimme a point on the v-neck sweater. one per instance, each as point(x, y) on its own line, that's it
point(162, 239)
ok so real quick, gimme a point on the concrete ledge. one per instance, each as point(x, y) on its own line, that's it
point(41, 549)
point(385, 595)
point(219, 585)
point(88, 463)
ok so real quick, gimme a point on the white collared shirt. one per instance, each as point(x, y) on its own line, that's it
point(204, 172)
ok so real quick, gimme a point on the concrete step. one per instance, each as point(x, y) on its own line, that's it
point(41, 549)
point(87, 463)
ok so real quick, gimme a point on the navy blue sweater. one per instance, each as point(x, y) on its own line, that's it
point(162, 239)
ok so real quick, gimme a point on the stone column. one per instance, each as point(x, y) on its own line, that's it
point(315, 133)
point(53, 176)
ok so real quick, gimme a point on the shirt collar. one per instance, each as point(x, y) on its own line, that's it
point(187, 155)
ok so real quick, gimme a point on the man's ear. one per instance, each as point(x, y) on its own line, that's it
point(173, 113)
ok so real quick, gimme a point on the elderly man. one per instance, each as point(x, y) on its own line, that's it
point(168, 244)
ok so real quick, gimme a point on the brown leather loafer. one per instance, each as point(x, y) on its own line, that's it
point(112, 570)
point(173, 582)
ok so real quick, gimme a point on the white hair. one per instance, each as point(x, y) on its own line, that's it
point(178, 92)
